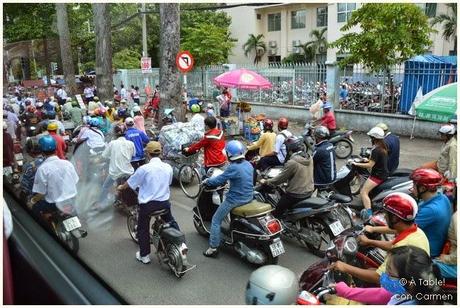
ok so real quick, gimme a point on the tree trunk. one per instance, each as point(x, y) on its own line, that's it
point(66, 52)
point(170, 85)
point(47, 61)
point(104, 78)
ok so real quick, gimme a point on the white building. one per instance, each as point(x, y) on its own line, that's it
point(286, 25)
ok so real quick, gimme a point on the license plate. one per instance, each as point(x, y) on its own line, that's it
point(66, 137)
point(7, 170)
point(336, 227)
point(18, 156)
point(277, 248)
point(71, 223)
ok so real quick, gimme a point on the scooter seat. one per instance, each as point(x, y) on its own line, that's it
point(252, 209)
point(159, 212)
point(313, 203)
point(401, 172)
point(341, 198)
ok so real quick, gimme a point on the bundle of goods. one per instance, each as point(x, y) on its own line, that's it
point(231, 126)
point(243, 106)
point(252, 128)
point(173, 136)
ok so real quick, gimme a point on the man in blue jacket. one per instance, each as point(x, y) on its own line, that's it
point(323, 158)
point(392, 142)
point(240, 174)
point(140, 139)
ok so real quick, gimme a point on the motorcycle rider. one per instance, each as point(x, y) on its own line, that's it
point(239, 173)
point(197, 119)
point(153, 180)
point(328, 118)
point(61, 146)
point(379, 164)
point(55, 180)
point(447, 263)
point(298, 173)
point(272, 285)
point(392, 142)
point(76, 113)
point(92, 135)
point(278, 156)
point(139, 138)
point(400, 212)
point(324, 169)
point(266, 142)
point(213, 143)
point(30, 168)
point(138, 119)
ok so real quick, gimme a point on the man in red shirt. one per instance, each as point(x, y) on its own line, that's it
point(328, 119)
point(213, 143)
point(61, 147)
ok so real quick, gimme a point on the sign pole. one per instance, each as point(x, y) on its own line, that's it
point(185, 87)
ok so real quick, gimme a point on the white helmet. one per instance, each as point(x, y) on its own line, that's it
point(382, 126)
point(447, 129)
point(376, 132)
point(272, 285)
point(129, 121)
point(136, 108)
point(210, 106)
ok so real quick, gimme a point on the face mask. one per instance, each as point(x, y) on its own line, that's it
point(392, 285)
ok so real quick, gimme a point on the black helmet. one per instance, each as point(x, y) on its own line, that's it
point(294, 145)
point(321, 132)
point(32, 146)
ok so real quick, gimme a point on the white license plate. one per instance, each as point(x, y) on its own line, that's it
point(336, 227)
point(18, 156)
point(66, 137)
point(71, 223)
point(277, 249)
point(7, 170)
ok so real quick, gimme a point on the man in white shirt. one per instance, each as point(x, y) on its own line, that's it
point(62, 95)
point(89, 93)
point(55, 181)
point(93, 135)
point(119, 152)
point(153, 180)
point(123, 92)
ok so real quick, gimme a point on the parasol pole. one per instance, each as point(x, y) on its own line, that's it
point(413, 127)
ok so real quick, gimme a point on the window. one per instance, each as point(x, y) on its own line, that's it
point(321, 17)
point(428, 8)
point(274, 59)
point(298, 19)
point(259, 16)
point(347, 71)
point(344, 11)
point(274, 22)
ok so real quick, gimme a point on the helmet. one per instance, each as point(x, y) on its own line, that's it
point(129, 121)
point(382, 126)
point(68, 99)
point(327, 105)
point(86, 119)
point(294, 144)
point(195, 108)
point(272, 285)
point(210, 112)
point(376, 132)
point(39, 105)
point(32, 146)
point(75, 104)
point(119, 129)
point(121, 113)
point(429, 178)
point(47, 144)
point(96, 99)
point(235, 150)
point(31, 131)
point(94, 122)
point(401, 205)
point(268, 124)
point(447, 129)
point(123, 101)
point(210, 106)
point(136, 108)
point(52, 126)
point(109, 103)
point(51, 114)
point(283, 123)
point(31, 109)
point(97, 111)
point(321, 132)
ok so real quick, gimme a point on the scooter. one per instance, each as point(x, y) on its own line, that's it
point(249, 229)
point(342, 141)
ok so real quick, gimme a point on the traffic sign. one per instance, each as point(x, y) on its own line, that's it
point(146, 64)
point(184, 61)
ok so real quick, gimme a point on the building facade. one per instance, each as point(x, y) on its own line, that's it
point(285, 26)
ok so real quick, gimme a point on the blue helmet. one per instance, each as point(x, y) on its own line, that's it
point(47, 144)
point(86, 119)
point(327, 105)
point(235, 150)
point(94, 122)
point(122, 113)
point(51, 114)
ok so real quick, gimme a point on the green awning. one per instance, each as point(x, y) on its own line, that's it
point(439, 105)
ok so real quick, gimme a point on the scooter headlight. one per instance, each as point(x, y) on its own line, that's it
point(350, 246)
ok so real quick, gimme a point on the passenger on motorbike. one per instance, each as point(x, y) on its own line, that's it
point(266, 142)
point(61, 146)
point(392, 142)
point(239, 173)
point(213, 144)
point(76, 113)
point(324, 169)
point(197, 119)
point(405, 263)
point(379, 164)
point(153, 180)
point(447, 262)
point(138, 118)
point(298, 173)
point(400, 212)
point(30, 168)
point(93, 136)
point(139, 138)
point(52, 119)
point(55, 180)
point(278, 156)
point(272, 285)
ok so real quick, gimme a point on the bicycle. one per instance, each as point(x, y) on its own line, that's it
point(190, 174)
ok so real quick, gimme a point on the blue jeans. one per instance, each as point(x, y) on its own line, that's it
point(448, 271)
point(217, 218)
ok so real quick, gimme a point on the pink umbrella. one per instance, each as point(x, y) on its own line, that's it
point(242, 79)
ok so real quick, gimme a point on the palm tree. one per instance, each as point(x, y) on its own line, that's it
point(449, 22)
point(256, 44)
point(308, 51)
point(315, 46)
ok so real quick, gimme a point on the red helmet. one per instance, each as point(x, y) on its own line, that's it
point(428, 178)
point(401, 205)
point(283, 123)
point(31, 109)
point(268, 124)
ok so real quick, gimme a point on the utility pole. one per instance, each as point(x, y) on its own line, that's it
point(144, 40)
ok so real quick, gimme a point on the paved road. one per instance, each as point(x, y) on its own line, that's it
point(214, 281)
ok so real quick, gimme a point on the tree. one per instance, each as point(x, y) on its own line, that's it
point(66, 52)
point(104, 79)
point(294, 58)
point(257, 45)
point(317, 46)
point(170, 87)
point(126, 59)
point(390, 34)
point(449, 22)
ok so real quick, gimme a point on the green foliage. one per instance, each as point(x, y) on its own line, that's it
point(390, 34)
point(126, 59)
point(294, 58)
point(449, 22)
point(257, 45)
point(208, 43)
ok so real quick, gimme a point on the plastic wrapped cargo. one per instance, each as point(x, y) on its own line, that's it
point(173, 136)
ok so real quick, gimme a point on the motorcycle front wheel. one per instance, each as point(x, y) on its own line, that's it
point(322, 229)
point(355, 185)
point(200, 229)
point(132, 226)
point(343, 149)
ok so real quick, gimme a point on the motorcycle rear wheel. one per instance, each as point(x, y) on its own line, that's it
point(343, 149)
point(322, 228)
point(355, 185)
point(131, 222)
point(67, 238)
point(175, 260)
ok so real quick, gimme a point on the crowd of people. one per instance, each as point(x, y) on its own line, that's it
point(422, 223)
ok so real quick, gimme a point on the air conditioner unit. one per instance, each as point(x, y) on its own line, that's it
point(296, 50)
point(272, 52)
point(296, 43)
point(272, 44)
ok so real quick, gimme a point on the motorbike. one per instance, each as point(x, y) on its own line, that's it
point(249, 229)
point(169, 242)
point(342, 141)
point(314, 222)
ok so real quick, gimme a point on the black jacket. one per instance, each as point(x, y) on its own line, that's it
point(324, 169)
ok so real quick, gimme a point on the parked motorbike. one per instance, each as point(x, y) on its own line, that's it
point(342, 141)
point(250, 229)
point(169, 242)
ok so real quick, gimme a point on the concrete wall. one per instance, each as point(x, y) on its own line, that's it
point(355, 120)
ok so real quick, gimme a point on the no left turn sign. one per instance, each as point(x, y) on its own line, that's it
point(184, 61)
